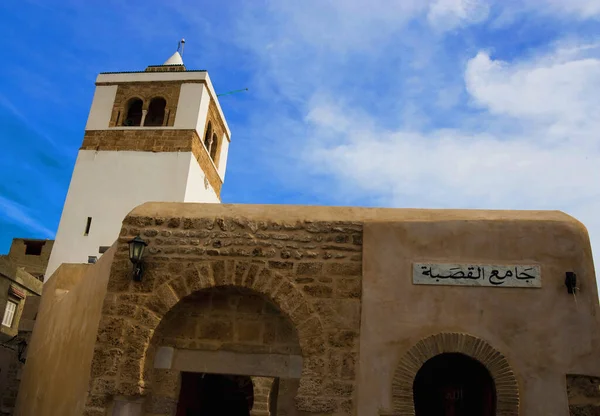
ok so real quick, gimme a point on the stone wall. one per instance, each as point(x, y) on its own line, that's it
point(218, 128)
point(584, 395)
point(310, 270)
point(146, 91)
point(33, 264)
point(220, 319)
point(227, 319)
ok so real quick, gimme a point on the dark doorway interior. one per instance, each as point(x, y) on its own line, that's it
point(454, 385)
point(214, 395)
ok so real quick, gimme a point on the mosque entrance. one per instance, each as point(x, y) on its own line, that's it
point(205, 394)
point(454, 385)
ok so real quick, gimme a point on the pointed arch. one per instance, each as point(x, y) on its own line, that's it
point(507, 394)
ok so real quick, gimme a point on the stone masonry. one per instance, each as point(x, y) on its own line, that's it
point(218, 128)
point(146, 91)
point(311, 271)
point(584, 395)
point(220, 319)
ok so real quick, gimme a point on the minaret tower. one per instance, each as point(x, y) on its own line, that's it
point(153, 135)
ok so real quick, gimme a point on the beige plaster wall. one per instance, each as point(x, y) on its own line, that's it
point(56, 376)
point(543, 333)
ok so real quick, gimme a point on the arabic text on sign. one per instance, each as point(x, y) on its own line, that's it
point(477, 275)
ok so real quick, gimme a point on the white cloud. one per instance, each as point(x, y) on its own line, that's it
point(557, 93)
point(580, 8)
point(21, 215)
point(523, 132)
point(550, 161)
point(448, 14)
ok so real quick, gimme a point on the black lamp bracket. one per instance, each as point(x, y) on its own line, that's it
point(571, 283)
point(138, 271)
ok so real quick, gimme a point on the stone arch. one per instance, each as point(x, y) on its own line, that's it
point(133, 113)
point(507, 389)
point(156, 112)
point(182, 281)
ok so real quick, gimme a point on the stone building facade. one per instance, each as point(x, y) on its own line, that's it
point(288, 310)
point(319, 311)
point(21, 275)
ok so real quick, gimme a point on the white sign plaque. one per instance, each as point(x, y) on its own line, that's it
point(477, 275)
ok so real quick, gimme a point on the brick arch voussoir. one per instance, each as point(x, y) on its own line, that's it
point(222, 273)
point(507, 389)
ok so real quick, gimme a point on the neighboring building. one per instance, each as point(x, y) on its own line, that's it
point(21, 277)
point(153, 135)
point(293, 310)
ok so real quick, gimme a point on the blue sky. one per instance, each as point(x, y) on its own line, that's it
point(399, 103)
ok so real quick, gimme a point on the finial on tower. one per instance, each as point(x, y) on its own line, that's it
point(180, 46)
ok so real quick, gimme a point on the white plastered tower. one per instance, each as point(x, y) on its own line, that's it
point(153, 135)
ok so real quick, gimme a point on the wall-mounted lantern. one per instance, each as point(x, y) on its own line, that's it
point(571, 282)
point(136, 252)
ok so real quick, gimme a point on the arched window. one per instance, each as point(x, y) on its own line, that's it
point(156, 112)
point(134, 112)
point(213, 147)
point(454, 384)
point(208, 136)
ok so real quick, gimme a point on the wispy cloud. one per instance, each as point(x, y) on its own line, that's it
point(21, 215)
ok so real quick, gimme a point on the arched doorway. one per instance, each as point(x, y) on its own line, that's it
point(215, 394)
point(454, 384)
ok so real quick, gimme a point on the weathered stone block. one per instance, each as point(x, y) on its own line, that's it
point(174, 222)
point(309, 269)
point(216, 330)
point(249, 332)
point(584, 410)
point(281, 265)
point(349, 361)
point(348, 288)
point(343, 269)
point(583, 386)
point(318, 290)
point(316, 404)
point(343, 339)
point(252, 304)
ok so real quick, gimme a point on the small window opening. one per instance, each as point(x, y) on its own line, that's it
point(92, 259)
point(156, 112)
point(207, 138)
point(213, 148)
point(134, 113)
point(88, 225)
point(103, 249)
point(34, 248)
